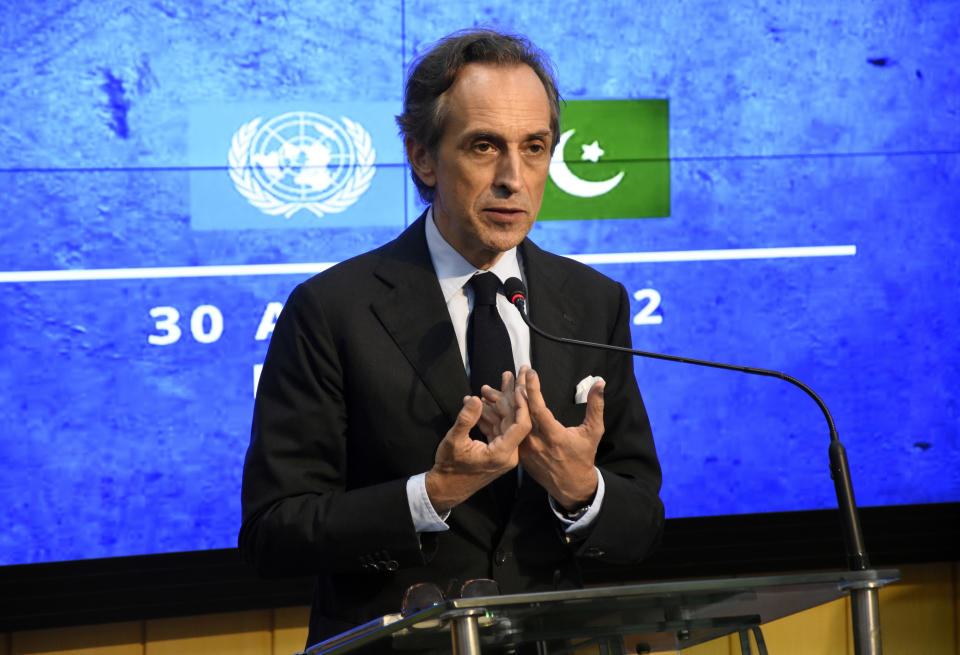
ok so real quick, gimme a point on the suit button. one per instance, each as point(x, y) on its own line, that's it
point(392, 565)
point(502, 556)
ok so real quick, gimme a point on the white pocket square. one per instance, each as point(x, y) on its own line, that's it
point(583, 388)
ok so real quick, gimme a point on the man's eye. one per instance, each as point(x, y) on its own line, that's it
point(536, 148)
point(483, 147)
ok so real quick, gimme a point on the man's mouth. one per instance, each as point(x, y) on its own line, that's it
point(504, 213)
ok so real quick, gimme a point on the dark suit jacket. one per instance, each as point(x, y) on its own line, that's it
point(363, 378)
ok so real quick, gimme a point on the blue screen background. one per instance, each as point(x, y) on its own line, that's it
point(795, 124)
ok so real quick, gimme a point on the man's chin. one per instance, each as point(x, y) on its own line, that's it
point(501, 243)
point(507, 235)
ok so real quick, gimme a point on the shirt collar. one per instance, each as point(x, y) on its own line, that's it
point(453, 270)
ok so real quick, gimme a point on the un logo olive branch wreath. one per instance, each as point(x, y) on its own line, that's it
point(241, 171)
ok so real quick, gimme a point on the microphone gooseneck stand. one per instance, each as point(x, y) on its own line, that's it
point(864, 599)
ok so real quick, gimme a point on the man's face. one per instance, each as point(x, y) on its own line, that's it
point(492, 161)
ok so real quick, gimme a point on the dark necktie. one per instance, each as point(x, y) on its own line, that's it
point(488, 344)
point(490, 354)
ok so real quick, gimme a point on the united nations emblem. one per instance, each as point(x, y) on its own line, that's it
point(301, 160)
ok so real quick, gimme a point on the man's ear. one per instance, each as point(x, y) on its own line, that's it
point(422, 161)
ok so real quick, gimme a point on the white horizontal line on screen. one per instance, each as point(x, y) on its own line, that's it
point(80, 274)
point(715, 255)
point(236, 270)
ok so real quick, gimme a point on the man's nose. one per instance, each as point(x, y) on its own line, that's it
point(509, 177)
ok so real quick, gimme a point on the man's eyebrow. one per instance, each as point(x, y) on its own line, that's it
point(486, 135)
point(483, 135)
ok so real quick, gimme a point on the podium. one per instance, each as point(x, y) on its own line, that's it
point(657, 617)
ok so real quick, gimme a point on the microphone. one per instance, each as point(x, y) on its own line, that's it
point(857, 557)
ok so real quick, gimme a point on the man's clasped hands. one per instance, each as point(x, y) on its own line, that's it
point(519, 428)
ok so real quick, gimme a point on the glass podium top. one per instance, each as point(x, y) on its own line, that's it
point(659, 616)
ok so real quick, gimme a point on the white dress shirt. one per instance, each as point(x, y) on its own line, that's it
point(453, 273)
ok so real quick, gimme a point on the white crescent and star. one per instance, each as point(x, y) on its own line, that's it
point(564, 178)
point(592, 152)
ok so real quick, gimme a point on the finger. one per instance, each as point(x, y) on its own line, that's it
point(520, 396)
point(536, 404)
point(522, 414)
point(489, 416)
point(467, 417)
point(507, 383)
point(505, 407)
point(593, 420)
point(521, 378)
point(505, 401)
point(489, 394)
point(519, 427)
point(512, 414)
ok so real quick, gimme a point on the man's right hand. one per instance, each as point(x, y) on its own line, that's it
point(463, 465)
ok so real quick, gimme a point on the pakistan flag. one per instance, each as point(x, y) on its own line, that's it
point(612, 161)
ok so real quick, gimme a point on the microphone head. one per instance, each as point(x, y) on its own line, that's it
point(514, 290)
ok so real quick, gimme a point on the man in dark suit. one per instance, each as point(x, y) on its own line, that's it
point(361, 467)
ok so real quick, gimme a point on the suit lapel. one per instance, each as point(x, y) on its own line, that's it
point(415, 315)
point(551, 309)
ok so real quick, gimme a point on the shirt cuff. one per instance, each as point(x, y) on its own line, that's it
point(425, 518)
point(585, 521)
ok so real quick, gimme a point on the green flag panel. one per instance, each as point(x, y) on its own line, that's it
point(612, 161)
